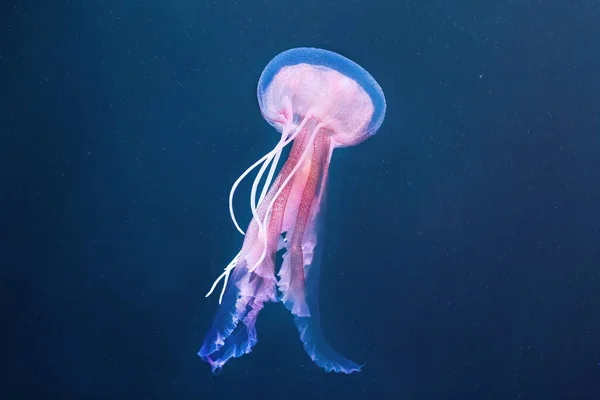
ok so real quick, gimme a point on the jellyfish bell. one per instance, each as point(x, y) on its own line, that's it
point(323, 86)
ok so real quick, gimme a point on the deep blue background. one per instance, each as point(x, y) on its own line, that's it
point(463, 244)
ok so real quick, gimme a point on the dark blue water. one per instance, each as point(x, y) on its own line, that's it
point(463, 247)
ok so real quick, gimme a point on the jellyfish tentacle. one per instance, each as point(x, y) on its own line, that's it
point(269, 179)
point(253, 205)
point(264, 162)
point(289, 133)
point(306, 151)
point(276, 153)
point(261, 224)
point(233, 331)
point(286, 139)
point(294, 155)
point(285, 135)
point(224, 275)
point(292, 283)
point(236, 184)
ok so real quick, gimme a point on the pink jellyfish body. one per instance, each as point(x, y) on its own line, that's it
point(318, 100)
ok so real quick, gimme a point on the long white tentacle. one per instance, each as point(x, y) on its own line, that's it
point(224, 275)
point(235, 185)
point(286, 138)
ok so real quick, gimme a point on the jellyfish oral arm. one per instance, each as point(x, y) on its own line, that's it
point(304, 189)
point(288, 135)
point(300, 271)
point(232, 333)
point(293, 206)
point(293, 174)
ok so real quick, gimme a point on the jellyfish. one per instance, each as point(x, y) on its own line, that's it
point(318, 101)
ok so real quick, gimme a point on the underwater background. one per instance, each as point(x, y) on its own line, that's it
point(462, 255)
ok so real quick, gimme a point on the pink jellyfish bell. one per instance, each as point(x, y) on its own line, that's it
point(318, 100)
